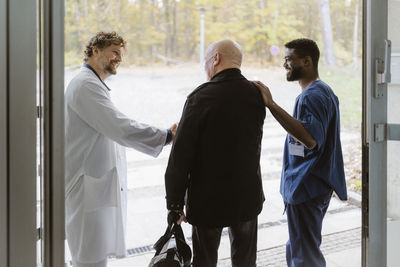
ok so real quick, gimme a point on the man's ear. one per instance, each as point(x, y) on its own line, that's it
point(95, 50)
point(217, 58)
point(308, 61)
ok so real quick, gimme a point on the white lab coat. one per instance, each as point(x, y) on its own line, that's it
point(96, 134)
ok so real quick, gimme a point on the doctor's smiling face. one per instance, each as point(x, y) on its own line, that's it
point(104, 53)
point(109, 58)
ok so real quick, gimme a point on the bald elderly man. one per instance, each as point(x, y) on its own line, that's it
point(215, 160)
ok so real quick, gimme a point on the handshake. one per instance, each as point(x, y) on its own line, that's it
point(171, 134)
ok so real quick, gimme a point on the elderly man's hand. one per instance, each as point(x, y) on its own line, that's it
point(176, 216)
point(266, 94)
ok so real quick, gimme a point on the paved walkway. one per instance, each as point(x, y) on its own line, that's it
point(341, 248)
point(334, 246)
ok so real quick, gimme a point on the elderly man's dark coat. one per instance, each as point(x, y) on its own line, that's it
point(216, 153)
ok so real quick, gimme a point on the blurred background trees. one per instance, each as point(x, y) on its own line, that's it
point(168, 31)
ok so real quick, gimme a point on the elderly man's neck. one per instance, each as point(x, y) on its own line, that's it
point(225, 67)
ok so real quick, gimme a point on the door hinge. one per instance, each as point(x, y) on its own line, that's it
point(387, 132)
point(380, 132)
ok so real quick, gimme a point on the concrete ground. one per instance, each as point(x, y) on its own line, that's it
point(341, 242)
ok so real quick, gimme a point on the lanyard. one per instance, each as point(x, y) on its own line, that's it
point(90, 68)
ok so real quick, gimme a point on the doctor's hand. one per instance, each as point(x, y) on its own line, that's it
point(266, 94)
point(173, 129)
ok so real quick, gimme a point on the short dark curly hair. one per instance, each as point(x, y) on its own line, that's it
point(305, 47)
point(102, 40)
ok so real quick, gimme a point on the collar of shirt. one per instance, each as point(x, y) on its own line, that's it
point(90, 68)
point(227, 74)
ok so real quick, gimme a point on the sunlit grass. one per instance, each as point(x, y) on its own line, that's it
point(347, 84)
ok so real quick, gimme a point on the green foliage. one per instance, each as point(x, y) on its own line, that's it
point(72, 58)
point(170, 28)
point(346, 83)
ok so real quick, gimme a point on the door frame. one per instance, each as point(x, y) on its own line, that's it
point(3, 135)
point(53, 238)
point(18, 121)
point(374, 151)
point(18, 132)
point(374, 154)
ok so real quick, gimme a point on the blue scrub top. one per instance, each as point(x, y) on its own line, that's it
point(321, 169)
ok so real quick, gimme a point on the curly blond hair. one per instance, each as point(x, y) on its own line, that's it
point(102, 40)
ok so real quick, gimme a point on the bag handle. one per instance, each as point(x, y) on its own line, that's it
point(174, 229)
point(183, 248)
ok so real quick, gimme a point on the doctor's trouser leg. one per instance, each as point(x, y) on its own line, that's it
point(102, 263)
point(305, 225)
point(243, 239)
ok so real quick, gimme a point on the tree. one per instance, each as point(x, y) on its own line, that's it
point(169, 29)
point(355, 35)
point(328, 50)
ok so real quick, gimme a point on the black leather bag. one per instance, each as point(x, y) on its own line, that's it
point(172, 249)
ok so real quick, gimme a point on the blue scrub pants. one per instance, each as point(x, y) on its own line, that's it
point(305, 225)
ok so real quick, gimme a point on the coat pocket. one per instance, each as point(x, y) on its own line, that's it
point(101, 192)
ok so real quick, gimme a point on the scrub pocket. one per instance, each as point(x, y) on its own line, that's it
point(100, 192)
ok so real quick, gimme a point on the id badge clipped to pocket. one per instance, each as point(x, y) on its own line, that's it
point(296, 149)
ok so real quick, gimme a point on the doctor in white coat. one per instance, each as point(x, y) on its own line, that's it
point(96, 134)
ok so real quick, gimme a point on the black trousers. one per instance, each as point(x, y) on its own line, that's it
point(243, 238)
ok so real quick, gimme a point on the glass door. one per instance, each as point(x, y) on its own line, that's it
point(381, 135)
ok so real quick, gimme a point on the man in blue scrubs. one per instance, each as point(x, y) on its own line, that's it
point(312, 159)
